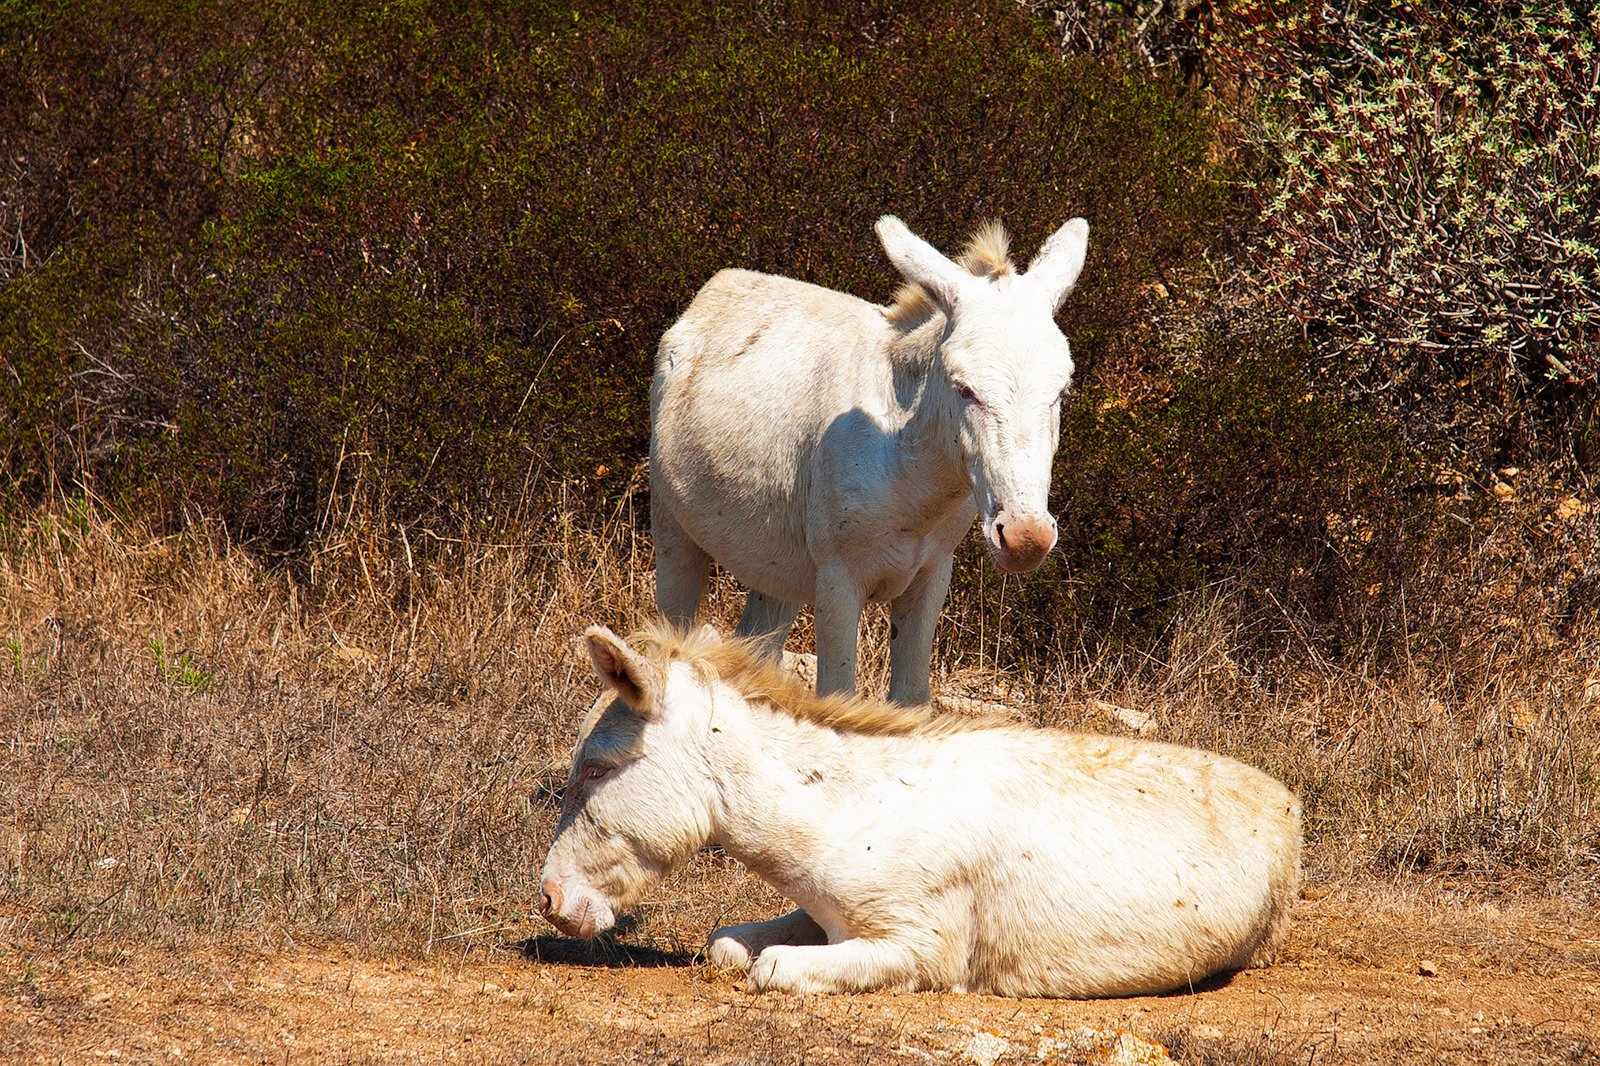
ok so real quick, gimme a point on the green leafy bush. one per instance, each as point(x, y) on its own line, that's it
point(287, 265)
point(1431, 213)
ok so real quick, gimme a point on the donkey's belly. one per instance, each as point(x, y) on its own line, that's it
point(759, 539)
point(773, 505)
point(796, 583)
point(757, 531)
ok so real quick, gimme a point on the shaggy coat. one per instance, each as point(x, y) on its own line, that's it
point(831, 451)
point(924, 853)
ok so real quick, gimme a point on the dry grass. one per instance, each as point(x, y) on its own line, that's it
point(196, 744)
point(1482, 780)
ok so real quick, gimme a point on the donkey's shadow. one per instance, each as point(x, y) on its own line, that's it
point(603, 952)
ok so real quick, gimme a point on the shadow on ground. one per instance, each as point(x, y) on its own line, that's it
point(601, 952)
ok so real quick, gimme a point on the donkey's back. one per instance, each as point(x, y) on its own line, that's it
point(744, 320)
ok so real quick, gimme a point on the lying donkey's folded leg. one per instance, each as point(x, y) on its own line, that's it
point(857, 965)
point(733, 946)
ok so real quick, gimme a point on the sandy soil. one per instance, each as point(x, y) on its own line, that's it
point(1370, 975)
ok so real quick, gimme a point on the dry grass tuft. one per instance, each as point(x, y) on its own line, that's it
point(198, 744)
point(1480, 779)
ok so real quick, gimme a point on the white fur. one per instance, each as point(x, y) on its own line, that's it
point(924, 853)
point(821, 448)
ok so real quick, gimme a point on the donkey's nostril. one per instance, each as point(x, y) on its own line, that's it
point(550, 901)
point(1000, 534)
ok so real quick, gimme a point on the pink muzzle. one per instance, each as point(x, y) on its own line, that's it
point(551, 903)
point(1019, 543)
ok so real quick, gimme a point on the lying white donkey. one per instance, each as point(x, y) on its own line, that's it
point(942, 853)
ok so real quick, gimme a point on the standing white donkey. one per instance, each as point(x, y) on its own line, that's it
point(831, 451)
point(924, 853)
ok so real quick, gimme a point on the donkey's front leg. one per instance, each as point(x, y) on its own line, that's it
point(680, 564)
point(733, 946)
point(911, 619)
point(858, 965)
point(838, 617)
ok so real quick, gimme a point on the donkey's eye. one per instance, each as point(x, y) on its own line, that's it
point(592, 771)
point(964, 391)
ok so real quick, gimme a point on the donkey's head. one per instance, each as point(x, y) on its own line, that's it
point(637, 803)
point(1001, 371)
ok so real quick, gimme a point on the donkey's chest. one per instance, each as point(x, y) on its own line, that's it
point(886, 541)
point(885, 568)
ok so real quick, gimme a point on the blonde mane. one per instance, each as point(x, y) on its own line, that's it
point(987, 255)
point(740, 665)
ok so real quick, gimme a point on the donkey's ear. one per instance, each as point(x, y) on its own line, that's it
point(637, 680)
point(922, 263)
point(1058, 263)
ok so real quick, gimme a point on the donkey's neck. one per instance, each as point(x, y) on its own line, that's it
point(913, 349)
point(776, 779)
point(930, 472)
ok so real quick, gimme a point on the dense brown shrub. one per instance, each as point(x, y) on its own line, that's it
point(1229, 469)
point(1161, 33)
point(273, 253)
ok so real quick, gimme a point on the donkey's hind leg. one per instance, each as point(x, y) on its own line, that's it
point(680, 566)
point(766, 620)
point(733, 946)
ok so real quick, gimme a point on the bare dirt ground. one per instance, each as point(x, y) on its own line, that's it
point(1373, 974)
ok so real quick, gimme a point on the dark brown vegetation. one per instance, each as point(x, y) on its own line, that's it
point(431, 251)
point(303, 268)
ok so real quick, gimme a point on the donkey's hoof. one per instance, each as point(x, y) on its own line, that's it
point(779, 969)
point(726, 953)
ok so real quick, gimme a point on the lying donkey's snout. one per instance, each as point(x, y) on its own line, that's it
point(550, 898)
point(575, 910)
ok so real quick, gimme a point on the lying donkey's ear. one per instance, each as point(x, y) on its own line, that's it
point(637, 680)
